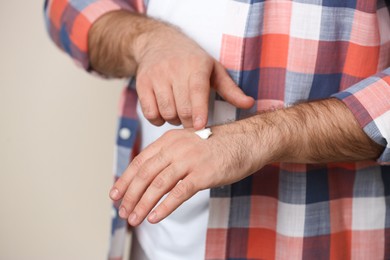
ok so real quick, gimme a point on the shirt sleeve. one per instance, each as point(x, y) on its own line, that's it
point(68, 22)
point(369, 101)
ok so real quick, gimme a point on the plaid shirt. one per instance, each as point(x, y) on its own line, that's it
point(281, 52)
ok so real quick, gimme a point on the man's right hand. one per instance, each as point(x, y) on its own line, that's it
point(174, 74)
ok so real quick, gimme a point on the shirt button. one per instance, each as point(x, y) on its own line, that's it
point(125, 133)
point(113, 213)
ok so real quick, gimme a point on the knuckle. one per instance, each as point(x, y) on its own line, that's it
point(145, 173)
point(183, 189)
point(166, 106)
point(161, 156)
point(168, 112)
point(163, 101)
point(169, 115)
point(191, 187)
point(141, 207)
point(162, 181)
point(177, 192)
point(137, 162)
point(127, 200)
point(159, 182)
point(163, 207)
point(149, 112)
point(185, 113)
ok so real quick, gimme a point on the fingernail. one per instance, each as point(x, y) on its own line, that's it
point(198, 122)
point(132, 218)
point(152, 217)
point(114, 193)
point(122, 212)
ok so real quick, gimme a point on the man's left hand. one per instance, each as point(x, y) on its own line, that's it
point(180, 163)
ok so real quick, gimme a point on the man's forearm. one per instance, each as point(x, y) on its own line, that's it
point(314, 132)
point(115, 42)
point(180, 163)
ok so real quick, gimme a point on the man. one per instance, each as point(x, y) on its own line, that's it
point(306, 177)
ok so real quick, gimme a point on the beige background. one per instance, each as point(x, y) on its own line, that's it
point(57, 127)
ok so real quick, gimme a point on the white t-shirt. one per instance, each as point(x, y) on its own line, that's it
point(182, 235)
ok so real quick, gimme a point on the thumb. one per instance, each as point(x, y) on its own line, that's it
point(228, 90)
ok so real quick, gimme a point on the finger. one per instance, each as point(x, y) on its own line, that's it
point(228, 90)
point(120, 186)
point(199, 86)
point(183, 104)
point(141, 181)
point(163, 183)
point(148, 101)
point(166, 103)
point(179, 194)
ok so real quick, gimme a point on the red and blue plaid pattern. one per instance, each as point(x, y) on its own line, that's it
point(280, 53)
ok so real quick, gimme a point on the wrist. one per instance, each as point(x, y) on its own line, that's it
point(117, 39)
point(255, 141)
point(152, 37)
point(107, 40)
point(269, 137)
point(285, 139)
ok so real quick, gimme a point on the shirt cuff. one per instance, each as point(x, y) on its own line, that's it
point(369, 101)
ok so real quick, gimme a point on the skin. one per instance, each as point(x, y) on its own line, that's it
point(174, 74)
point(174, 78)
point(181, 164)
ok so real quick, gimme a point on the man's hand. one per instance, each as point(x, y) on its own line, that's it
point(174, 74)
point(174, 77)
point(180, 163)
